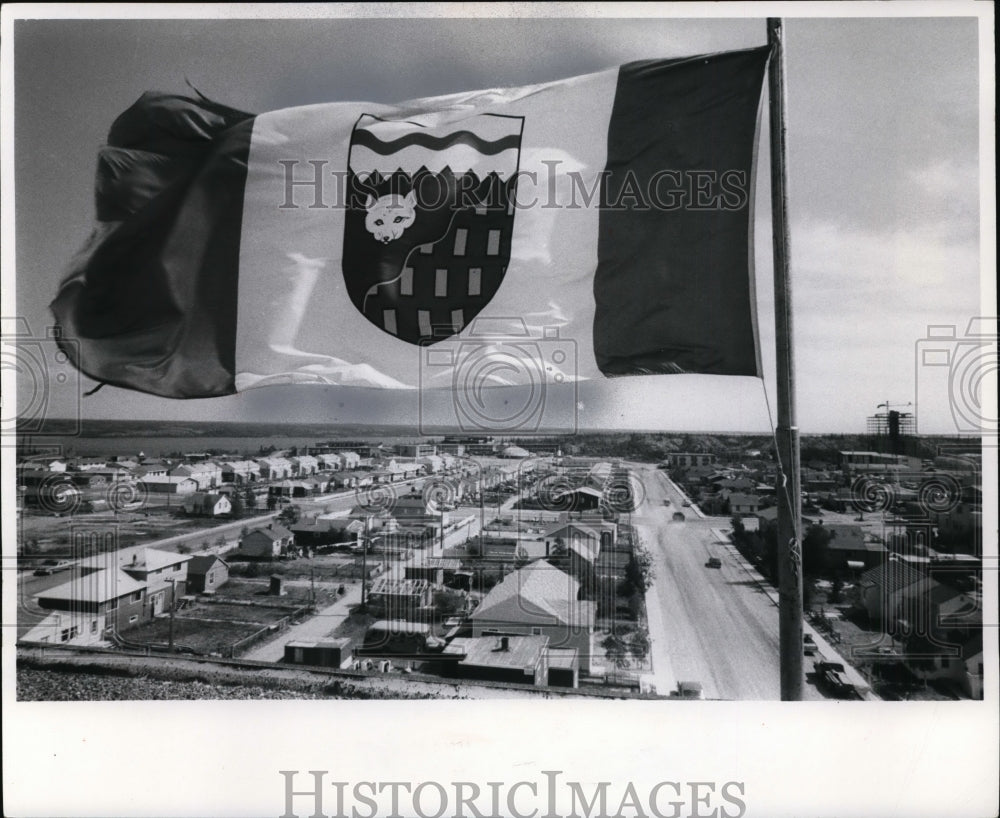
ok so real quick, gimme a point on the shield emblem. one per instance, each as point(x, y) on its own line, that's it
point(429, 221)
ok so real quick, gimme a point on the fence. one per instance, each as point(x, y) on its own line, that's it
point(247, 642)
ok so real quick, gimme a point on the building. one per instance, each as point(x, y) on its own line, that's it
point(305, 464)
point(274, 468)
point(399, 598)
point(680, 460)
point(206, 572)
point(510, 659)
point(882, 589)
point(177, 484)
point(539, 600)
point(330, 462)
point(744, 503)
point(848, 549)
point(240, 471)
point(108, 598)
point(415, 450)
point(205, 504)
point(206, 474)
point(267, 543)
point(436, 570)
point(164, 574)
point(350, 460)
point(337, 531)
point(320, 653)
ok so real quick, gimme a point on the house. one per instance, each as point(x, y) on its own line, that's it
point(432, 463)
point(882, 589)
point(206, 572)
point(584, 540)
point(163, 572)
point(946, 614)
point(291, 488)
point(350, 460)
point(88, 463)
point(266, 543)
point(150, 470)
point(508, 658)
point(175, 484)
point(414, 510)
point(743, 503)
point(539, 600)
point(274, 468)
point(304, 464)
point(109, 596)
point(206, 474)
point(337, 531)
point(584, 498)
point(66, 628)
point(399, 598)
point(848, 549)
point(330, 462)
point(240, 471)
point(202, 504)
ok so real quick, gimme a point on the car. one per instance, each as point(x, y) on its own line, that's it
point(52, 567)
point(713, 562)
point(686, 503)
point(687, 690)
point(666, 501)
point(809, 646)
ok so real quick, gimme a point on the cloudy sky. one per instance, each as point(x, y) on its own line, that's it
point(883, 134)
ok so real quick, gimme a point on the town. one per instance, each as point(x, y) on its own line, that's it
point(486, 568)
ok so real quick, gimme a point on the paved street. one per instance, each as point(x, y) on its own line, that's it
point(714, 626)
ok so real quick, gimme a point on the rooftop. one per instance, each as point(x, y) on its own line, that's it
point(100, 586)
point(487, 651)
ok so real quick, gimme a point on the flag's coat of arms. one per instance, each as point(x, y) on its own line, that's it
point(427, 231)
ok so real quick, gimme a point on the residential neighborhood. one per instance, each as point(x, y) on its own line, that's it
point(492, 563)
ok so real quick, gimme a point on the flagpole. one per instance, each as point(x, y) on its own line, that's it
point(787, 433)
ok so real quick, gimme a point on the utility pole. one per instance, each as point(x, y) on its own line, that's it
point(364, 566)
point(173, 604)
point(787, 433)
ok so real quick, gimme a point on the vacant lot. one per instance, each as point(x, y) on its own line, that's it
point(210, 628)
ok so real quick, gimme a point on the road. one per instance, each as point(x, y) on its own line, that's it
point(714, 626)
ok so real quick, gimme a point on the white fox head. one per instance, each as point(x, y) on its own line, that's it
point(388, 216)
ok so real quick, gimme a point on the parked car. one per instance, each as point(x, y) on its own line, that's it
point(832, 675)
point(713, 562)
point(686, 503)
point(687, 690)
point(809, 645)
point(52, 567)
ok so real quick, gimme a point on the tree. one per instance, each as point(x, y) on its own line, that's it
point(250, 499)
point(837, 591)
point(237, 509)
point(814, 550)
point(272, 502)
point(290, 515)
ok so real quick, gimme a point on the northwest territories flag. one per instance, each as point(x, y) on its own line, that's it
point(604, 220)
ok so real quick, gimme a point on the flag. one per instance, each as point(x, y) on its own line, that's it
point(588, 228)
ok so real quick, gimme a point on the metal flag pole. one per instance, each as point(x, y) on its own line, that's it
point(787, 433)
